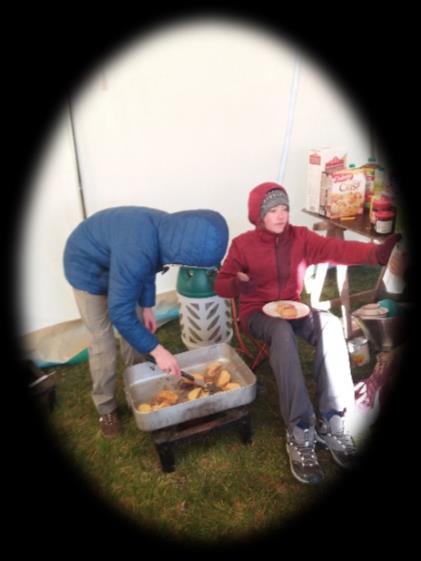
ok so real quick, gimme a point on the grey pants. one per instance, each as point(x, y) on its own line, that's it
point(102, 348)
point(332, 373)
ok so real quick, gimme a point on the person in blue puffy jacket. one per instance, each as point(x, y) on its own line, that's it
point(111, 260)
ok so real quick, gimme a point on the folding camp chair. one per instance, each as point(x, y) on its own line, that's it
point(254, 349)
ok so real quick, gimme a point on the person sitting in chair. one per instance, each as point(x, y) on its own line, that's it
point(268, 264)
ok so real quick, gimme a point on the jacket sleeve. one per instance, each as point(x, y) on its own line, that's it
point(226, 283)
point(147, 298)
point(129, 283)
point(320, 249)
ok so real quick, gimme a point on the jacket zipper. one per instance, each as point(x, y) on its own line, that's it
point(278, 266)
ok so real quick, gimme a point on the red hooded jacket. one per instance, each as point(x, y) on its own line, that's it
point(276, 263)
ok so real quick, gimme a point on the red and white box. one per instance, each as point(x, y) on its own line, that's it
point(344, 192)
point(319, 162)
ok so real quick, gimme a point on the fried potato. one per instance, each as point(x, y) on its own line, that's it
point(231, 386)
point(194, 394)
point(213, 369)
point(223, 378)
point(198, 376)
point(164, 404)
point(144, 408)
point(158, 406)
point(168, 396)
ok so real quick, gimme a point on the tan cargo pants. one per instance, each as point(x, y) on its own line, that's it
point(102, 348)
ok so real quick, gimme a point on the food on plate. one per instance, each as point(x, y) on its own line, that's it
point(144, 408)
point(372, 310)
point(223, 378)
point(231, 386)
point(286, 310)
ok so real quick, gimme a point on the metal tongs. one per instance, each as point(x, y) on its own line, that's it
point(207, 386)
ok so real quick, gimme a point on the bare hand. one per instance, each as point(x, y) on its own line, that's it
point(165, 360)
point(149, 319)
point(243, 277)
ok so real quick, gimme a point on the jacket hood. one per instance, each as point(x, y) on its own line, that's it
point(193, 237)
point(256, 197)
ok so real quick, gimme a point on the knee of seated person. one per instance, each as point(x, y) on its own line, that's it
point(283, 329)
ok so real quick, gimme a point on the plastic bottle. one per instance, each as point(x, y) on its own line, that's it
point(379, 179)
point(369, 170)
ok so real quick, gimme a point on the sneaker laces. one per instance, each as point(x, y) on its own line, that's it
point(108, 418)
point(306, 449)
point(341, 437)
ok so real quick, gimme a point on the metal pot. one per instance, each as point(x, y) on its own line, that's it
point(385, 333)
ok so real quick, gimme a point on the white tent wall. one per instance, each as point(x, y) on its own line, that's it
point(52, 211)
point(190, 117)
point(323, 116)
point(184, 118)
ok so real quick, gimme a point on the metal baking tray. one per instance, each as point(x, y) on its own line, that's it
point(142, 382)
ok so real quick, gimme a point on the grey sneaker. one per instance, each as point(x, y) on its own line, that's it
point(302, 456)
point(110, 424)
point(333, 436)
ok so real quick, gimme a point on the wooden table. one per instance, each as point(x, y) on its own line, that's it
point(336, 228)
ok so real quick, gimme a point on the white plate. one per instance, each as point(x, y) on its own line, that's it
point(372, 312)
point(271, 308)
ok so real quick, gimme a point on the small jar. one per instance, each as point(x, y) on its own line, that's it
point(379, 203)
point(384, 221)
point(358, 350)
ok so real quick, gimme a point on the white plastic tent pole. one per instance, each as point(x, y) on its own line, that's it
point(76, 154)
point(291, 109)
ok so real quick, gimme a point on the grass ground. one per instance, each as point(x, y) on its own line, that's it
point(221, 488)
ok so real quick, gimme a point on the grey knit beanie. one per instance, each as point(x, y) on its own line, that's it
point(274, 197)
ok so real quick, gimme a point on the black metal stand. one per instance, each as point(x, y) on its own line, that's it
point(165, 439)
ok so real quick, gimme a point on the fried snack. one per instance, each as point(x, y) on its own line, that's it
point(223, 378)
point(166, 396)
point(287, 311)
point(144, 408)
point(159, 406)
point(231, 386)
point(194, 394)
point(198, 376)
point(213, 369)
point(164, 404)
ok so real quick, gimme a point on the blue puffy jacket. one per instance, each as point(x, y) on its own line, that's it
point(118, 252)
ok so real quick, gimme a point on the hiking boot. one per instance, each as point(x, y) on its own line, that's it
point(332, 435)
point(110, 424)
point(302, 456)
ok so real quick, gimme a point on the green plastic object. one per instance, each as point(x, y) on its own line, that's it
point(83, 356)
point(395, 310)
point(195, 282)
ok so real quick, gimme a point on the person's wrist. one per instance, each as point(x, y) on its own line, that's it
point(156, 350)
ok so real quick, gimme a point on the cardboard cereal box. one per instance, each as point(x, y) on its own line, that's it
point(344, 193)
point(319, 162)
